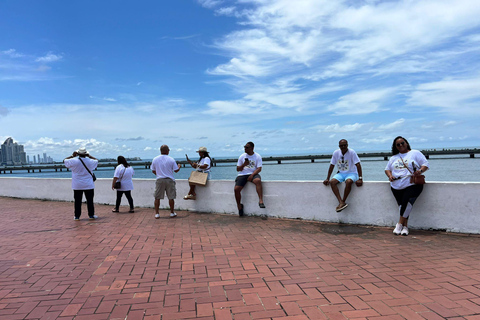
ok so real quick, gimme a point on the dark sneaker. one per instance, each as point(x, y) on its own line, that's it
point(76, 219)
point(240, 211)
point(92, 217)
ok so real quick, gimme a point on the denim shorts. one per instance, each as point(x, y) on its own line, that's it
point(341, 177)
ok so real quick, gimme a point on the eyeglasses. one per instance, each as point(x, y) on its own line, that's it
point(400, 144)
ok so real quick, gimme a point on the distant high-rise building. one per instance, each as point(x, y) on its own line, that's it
point(28, 159)
point(45, 158)
point(12, 153)
point(34, 159)
point(39, 159)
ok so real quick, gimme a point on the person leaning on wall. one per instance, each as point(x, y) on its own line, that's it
point(203, 164)
point(404, 164)
point(123, 174)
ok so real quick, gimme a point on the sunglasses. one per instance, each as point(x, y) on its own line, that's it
point(400, 144)
point(342, 145)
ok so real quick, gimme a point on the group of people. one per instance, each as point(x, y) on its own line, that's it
point(404, 165)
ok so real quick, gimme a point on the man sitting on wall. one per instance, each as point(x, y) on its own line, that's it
point(349, 170)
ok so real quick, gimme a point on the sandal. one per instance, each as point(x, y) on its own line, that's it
point(341, 207)
point(261, 205)
point(115, 210)
point(189, 197)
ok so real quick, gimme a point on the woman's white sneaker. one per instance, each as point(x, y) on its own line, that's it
point(398, 229)
point(404, 231)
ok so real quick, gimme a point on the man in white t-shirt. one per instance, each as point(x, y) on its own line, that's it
point(349, 170)
point(82, 180)
point(249, 166)
point(163, 166)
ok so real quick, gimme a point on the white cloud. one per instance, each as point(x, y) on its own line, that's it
point(12, 53)
point(209, 3)
point(393, 125)
point(3, 111)
point(49, 57)
point(361, 102)
point(457, 96)
point(339, 128)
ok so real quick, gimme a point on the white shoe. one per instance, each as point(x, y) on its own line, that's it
point(173, 215)
point(398, 229)
point(157, 216)
point(405, 231)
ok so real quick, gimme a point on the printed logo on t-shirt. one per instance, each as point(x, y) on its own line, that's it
point(342, 165)
point(251, 164)
point(399, 164)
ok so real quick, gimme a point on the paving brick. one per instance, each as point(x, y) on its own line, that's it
point(135, 267)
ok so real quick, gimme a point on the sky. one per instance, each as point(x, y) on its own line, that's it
point(294, 77)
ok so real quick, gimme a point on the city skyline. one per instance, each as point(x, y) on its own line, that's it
point(293, 77)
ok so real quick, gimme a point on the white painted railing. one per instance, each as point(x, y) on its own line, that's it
point(451, 206)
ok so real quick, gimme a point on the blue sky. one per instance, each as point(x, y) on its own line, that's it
point(124, 77)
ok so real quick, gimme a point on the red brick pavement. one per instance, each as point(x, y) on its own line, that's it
point(212, 266)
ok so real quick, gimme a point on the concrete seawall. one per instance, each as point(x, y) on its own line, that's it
point(450, 206)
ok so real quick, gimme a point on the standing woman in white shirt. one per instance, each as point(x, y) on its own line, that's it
point(123, 173)
point(203, 165)
point(404, 164)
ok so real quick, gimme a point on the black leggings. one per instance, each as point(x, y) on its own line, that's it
point(406, 198)
point(128, 194)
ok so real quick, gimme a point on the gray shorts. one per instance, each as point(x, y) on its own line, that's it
point(242, 180)
point(163, 185)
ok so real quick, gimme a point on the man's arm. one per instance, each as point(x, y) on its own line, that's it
point(330, 170)
point(359, 182)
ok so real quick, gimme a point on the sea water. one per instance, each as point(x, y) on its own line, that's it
point(443, 168)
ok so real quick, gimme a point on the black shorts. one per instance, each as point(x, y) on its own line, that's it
point(242, 180)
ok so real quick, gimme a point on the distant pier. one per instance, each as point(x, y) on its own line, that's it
point(385, 155)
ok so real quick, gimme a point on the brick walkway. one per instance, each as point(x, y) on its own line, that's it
point(209, 266)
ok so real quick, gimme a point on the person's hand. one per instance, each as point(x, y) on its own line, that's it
point(250, 177)
point(326, 182)
point(359, 183)
point(179, 165)
point(391, 178)
point(417, 173)
point(74, 154)
point(247, 162)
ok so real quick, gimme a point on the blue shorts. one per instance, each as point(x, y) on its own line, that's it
point(341, 177)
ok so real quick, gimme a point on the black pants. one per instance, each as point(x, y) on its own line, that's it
point(77, 195)
point(407, 196)
point(128, 194)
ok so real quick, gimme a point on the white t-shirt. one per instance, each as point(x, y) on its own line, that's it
point(126, 175)
point(203, 161)
point(398, 169)
point(255, 162)
point(81, 179)
point(346, 163)
point(164, 166)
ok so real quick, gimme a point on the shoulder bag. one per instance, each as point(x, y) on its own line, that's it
point(92, 174)
point(420, 179)
point(118, 183)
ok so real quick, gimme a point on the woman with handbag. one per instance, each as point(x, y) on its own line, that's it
point(122, 181)
point(405, 172)
point(203, 165)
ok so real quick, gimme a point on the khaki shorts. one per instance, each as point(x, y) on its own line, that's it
point(163, 185)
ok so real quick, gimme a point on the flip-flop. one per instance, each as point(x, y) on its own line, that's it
point(261, 205)
point(340, 208)
point(240, 211)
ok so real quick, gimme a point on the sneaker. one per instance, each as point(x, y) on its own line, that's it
point(93, 217)
point(404, 231)
point(76, 219)
point(173, 215)
point(398, 229)
point(157, 216)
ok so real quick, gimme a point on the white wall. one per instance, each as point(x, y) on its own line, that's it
point(442, 205)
